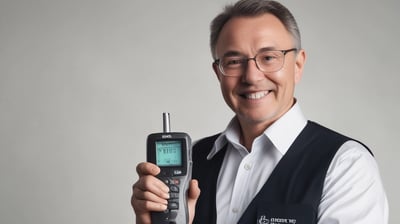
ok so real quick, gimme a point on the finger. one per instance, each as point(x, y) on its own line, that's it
point(194, 190)
point(143, 218)
point(145, 202)
point(145, 206)
point(139, 194)
point(143, 209)
point(146, 168)
point(193, 195)
point(153, 185)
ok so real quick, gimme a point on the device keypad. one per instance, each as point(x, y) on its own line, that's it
point(173, 184)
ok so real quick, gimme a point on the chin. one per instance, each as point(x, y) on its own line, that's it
point(257, 119)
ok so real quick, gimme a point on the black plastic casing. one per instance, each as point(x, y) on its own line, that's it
point(175, 175)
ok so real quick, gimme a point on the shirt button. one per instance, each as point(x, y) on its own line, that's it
point(247, 166)
point(235, 210)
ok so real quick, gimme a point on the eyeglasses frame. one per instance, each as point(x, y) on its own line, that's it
point(284, 52)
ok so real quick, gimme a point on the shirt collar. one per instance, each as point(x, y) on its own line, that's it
point(285, 130)
point(282, 132)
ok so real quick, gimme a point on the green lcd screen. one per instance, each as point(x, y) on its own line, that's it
point(169, 153)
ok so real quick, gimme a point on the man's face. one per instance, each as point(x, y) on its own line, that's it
point(255, 97)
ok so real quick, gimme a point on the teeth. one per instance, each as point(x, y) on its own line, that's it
point(257, 95)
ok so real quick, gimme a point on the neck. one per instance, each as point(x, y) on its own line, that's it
point(249, 133)
point(250, 130)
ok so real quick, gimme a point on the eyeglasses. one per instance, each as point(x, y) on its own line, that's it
point(267, 61)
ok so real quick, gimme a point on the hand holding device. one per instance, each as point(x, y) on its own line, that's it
point(171, 151)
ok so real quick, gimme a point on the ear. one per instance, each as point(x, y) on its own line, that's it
point(216, 70)
point(299, 66)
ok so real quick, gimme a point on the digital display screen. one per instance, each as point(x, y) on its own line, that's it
point(169, 153)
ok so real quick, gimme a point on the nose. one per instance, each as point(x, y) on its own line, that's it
point(252, 73)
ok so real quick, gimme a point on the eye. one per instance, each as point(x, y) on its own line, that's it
point(232, 62)
point(268, 57)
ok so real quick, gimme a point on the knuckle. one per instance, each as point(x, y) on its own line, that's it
point(147, 183)
point(146, 168)
point(140, 167)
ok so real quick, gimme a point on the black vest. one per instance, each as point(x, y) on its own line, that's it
point(291, 194)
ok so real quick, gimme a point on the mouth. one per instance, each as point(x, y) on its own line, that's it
point(255, 95)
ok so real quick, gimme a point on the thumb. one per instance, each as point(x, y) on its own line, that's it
point(193, 195)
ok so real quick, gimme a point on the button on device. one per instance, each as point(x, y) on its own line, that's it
point(163, 216)
point(173, 195)
point(173, 205)
point(175, 181)
point(174, 188)
point(173, 215)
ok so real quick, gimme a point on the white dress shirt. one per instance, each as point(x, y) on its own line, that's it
point(352, 194)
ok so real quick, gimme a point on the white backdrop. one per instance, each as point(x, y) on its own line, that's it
point(83, 82)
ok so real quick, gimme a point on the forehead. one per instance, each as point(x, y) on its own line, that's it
point(248, 35)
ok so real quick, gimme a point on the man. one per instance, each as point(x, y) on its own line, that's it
point(270, 165)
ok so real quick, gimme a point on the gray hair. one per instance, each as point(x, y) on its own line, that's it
point(249, 8)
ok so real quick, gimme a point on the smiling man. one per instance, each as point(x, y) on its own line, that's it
point(270, 164)
point(258, 66)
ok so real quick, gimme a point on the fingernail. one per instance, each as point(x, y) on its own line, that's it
point(166, 196)
point(163, 207)
point(166, 189)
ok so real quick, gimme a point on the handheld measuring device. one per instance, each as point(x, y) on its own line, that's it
point(171, 151)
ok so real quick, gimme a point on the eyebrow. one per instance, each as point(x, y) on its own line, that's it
point(237, 53)
point(267, 49)
point(231, 54)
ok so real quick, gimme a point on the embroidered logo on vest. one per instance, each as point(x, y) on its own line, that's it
point(264, 220)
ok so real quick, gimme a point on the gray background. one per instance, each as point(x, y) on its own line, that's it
point(83, 82)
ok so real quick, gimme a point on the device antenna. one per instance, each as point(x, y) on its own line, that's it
point(166, 124)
